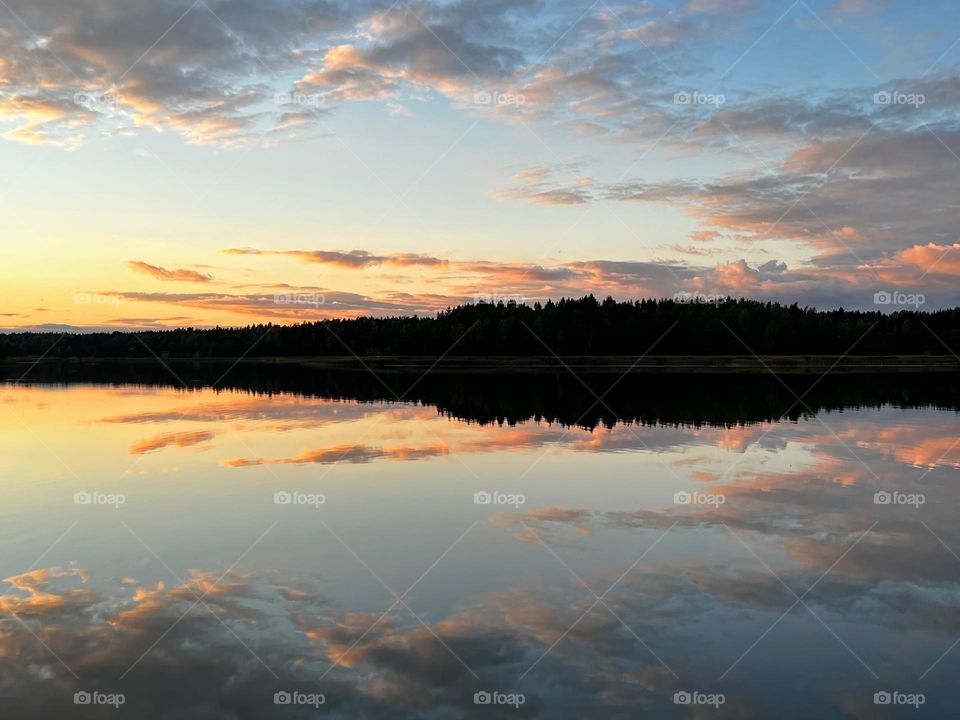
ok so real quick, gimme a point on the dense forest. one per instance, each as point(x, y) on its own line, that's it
point(582, 326)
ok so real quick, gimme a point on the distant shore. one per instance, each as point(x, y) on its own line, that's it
point(746, 364)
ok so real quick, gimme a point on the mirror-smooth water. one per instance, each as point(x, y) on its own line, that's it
point(243, 554)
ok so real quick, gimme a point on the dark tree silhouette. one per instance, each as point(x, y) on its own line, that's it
point(581, 326)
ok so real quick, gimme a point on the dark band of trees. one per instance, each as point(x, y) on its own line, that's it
point(582, 326)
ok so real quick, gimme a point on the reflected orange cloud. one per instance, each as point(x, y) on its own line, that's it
point(739, 438)
point(38, 600)
point(176, 439)
point(345, 453)
point(533, 526)
point(243, 407)
point(911, 445)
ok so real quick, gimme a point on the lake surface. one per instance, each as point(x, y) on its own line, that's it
point(303, 544)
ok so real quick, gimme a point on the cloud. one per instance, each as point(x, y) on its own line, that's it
point(202, 70)
point(834, 278)
point(846, 191)
point(931, 259)
point(808, 507)
point(859, 7)
point(375, 664)
point(278, 412)
point(162, 273)
point(442, 47)
point(291, 305)
point(353, 259)
point(538, 185)
point(346, 454)
point(175, 439)
point(853, 205)
point(38, 601)
point(214, 75)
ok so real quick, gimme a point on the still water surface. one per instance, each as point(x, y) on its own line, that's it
point(199, 551)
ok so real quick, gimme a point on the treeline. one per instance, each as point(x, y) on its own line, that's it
point(582, 326)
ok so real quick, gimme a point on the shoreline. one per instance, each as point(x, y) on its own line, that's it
point(653, 364)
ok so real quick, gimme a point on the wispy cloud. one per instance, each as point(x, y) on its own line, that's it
point(353, 259)
point(345, 454)
point(174, 439)
point(162, 273)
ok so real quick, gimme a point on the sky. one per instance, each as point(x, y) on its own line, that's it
point(228, 162)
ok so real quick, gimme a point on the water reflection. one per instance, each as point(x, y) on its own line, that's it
point(801, 594)
point(559, 397)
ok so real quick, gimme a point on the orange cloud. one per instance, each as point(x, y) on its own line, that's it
point(182, 439)
point(38, 601)
point(162, 273)
point(353, 259)
point(704, 235)
point(931, 257)
point(916, 446)
point(344, 453)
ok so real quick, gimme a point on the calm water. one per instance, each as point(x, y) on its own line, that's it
point(197, 552)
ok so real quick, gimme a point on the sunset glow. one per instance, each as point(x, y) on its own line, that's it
point(233, 162)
